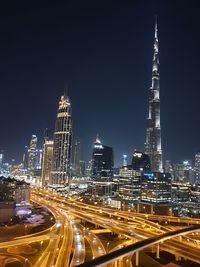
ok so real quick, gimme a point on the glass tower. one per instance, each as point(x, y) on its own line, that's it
point(102, 160)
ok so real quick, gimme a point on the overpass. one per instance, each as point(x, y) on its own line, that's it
point(130, 249)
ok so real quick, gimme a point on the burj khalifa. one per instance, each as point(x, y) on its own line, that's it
point(153, 133)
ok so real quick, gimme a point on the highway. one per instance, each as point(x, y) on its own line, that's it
point(120, 223)
point(138, 247)
point(59, 249)
point(75, 238)
point(66, 246)
point(79, 245)
point(7, 258)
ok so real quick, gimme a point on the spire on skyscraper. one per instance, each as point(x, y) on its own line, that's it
point(156, 28)
point(155, 68)
point(66, 90)
point(153, 134)
point(97, 141)
point(46, 134)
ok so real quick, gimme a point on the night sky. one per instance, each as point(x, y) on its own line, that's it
point(102, 50)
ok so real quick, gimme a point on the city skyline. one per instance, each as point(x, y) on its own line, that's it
point(120, 46)
point(99, 141)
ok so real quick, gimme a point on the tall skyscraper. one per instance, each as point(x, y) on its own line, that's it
point(26, 157)
point(76, 158)
point(62, 144)
point(197, 167)
point(38, 159)
point(32, 153)
point(124, 161)
point(102, 160)
point(1, 158)
point(153, 134)
point(47, 162)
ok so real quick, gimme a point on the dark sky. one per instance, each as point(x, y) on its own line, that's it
point(103, 51)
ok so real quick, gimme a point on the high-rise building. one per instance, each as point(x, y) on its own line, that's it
point(184, 172)
point(169, 168)
point(140, 161)
point(76, 158)
point(1, 158)
point(124, 160)
point(129, 184)
point(102, 160)
point(26, 158)
point(197, 167)
point(38, 159)
point(156, 188)
point(32, 152)
point(153, 134)
point(180, 192)
point(88, 168)
point(46, 162)
point(62, 144)
point(83, 165)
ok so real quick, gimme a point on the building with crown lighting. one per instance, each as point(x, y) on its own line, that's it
point(60, 172)
point(102, 160)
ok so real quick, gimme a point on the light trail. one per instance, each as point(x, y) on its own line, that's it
point(138, 247)
point(142, 228)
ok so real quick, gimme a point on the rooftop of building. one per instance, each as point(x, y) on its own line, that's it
point(12, 180)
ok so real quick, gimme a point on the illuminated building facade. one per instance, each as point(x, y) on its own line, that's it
point(25, 158)
point(140, 162)
point(88, 168)
point(1, 158)
point(124, 160)
point(62, 144)
point(197, 167)
point(195, 194)
point(38, 159)
point(180, 192)
point(169, 168)
point(156, 188)
point(102, 160)
point(22, 193)
point(32, 153)
point(47, 162)
point(13, 193)
point(129, 183)
point(102, 189)
point(76, 158)
point(153, 134)
point(184, 172)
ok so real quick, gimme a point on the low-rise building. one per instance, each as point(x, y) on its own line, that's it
point(13, 193)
